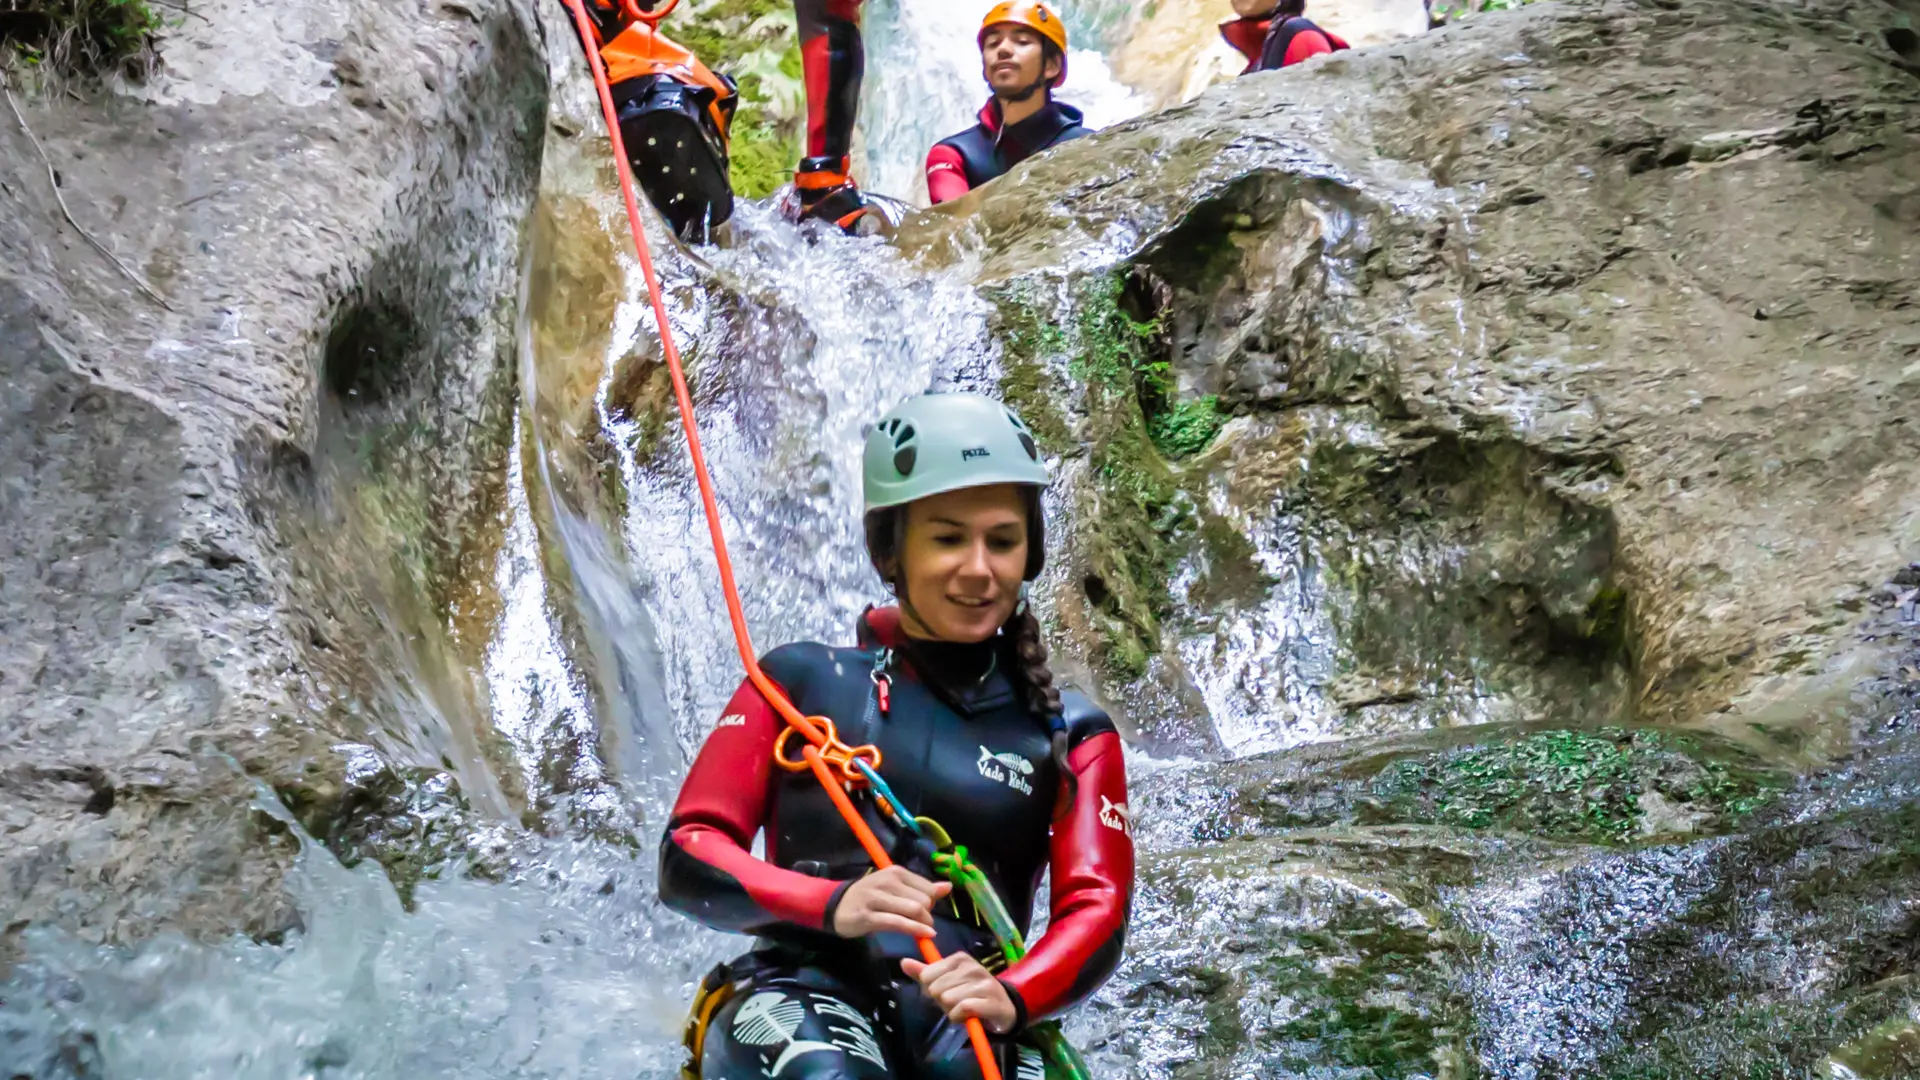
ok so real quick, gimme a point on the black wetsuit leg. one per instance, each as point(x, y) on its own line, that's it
point(833, 62)
point(799, 1022)
point(796, 1023)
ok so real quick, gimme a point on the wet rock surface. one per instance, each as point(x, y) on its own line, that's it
point(1451, 442)
point(1517, 396)
point(222, 512)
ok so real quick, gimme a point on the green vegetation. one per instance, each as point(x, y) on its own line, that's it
point(1571, 785)
point(1461, 9)
point(1353, 979)
point(1187, 427)
point(1140, 521)
point(753, 41)
point(1138, 518)
point(78, 36)
point(1782, 1040)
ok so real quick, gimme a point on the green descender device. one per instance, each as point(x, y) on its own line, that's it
point(950, 861)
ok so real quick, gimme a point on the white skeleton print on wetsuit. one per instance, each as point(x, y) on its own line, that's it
point(1006, 768)
point(772, 1020)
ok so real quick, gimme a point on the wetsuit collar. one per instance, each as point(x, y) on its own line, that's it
point(1036, 130)
point(880, 628)
point(966, 676)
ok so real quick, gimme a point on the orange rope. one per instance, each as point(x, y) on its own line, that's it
point(824, 751)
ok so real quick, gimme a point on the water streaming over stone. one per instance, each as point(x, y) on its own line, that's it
point(555, 960)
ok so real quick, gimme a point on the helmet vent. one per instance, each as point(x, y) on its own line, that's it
point(1026, 443)
point(902, 435)
point(903, 460)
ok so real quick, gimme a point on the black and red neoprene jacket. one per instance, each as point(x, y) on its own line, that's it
point(1268, 46)
point(976, 761)
point(959, 163)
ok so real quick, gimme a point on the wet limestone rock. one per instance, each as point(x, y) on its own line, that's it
point(1444, 425)
point(1557, 363)
point(227, 509)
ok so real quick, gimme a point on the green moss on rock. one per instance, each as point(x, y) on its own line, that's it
point(1138, 520)
point(1187, 427)
point(1572, 785)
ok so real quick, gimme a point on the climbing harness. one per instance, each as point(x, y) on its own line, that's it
point(718, 987)
point(823, 753)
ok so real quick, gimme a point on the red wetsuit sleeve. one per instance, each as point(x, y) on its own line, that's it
point(707, 867)
point(1092, 888)
point(946, 174)
point(1304, 44)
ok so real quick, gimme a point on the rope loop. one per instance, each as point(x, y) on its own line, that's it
point(823, 752)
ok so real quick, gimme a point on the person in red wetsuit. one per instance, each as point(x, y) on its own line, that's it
point(1023, 55)
point(1273, 36)
point(833, 63)
point(952, 686)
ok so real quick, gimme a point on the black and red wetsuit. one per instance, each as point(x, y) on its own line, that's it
point(959, 746)
point(959, 163)
point(833, 61)
point(1268, 46)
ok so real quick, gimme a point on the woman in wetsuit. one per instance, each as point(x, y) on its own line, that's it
point(953, 688)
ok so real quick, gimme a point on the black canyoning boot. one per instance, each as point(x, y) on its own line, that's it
point(827, 193)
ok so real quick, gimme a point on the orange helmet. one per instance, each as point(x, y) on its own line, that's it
point(1035, 15)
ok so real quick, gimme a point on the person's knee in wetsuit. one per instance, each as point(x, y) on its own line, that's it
point(1023, 57)
point(952, 688)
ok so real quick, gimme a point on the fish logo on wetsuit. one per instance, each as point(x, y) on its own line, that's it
point(1006, 768)
point(1116, 816)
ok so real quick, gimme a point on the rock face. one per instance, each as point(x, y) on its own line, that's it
point(221, 513)
point(1481, 462)
point(1480, 411)
point(1568, 322)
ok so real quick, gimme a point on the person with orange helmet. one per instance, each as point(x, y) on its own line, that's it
point(1023, 57)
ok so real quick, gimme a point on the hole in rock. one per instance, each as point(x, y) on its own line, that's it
point(367, 353)
point(1903, 41)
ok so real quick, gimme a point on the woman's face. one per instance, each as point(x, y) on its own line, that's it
point(963, 560)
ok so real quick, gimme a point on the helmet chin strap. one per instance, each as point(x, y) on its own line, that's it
point(1028, 91)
